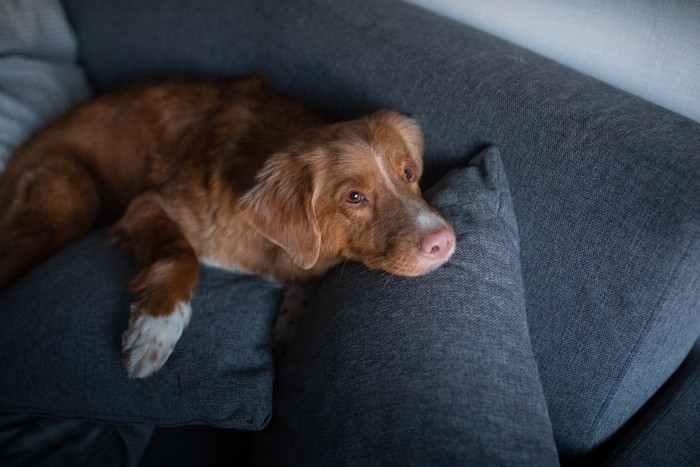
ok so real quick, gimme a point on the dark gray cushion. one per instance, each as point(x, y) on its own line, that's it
point(433, 370)
point(48, 442)
point(60, 355)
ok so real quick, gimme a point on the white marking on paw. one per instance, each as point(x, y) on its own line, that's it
point(149, 340)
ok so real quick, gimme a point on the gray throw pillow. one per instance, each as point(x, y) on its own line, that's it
point(60, 354)
point(432, 370)
point(39, 74)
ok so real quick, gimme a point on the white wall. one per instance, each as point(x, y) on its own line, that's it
point(650, 48)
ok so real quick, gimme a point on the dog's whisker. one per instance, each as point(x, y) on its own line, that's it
point(342, 267)
point(388, 279)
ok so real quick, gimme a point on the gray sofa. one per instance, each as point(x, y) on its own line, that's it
point(573, 340)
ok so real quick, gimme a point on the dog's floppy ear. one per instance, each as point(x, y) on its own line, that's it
point(280, 207)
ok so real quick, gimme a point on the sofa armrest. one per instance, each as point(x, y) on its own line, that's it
point(650, 49)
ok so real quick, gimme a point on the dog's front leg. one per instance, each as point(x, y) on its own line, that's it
point(168, 270)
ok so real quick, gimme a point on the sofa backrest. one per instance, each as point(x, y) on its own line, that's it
point(648, 48)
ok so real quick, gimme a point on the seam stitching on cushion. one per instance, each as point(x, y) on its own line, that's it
point(638, 341)
point(504, 190)
point(504, 187)
point(228, 421)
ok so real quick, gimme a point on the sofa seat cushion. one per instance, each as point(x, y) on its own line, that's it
point(431, 370)
point(668, 432)
point(60, 354)
point(51, 442)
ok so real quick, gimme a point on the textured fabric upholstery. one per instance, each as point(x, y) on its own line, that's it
point(646, 47)
point(668, 433)
point(50, 442)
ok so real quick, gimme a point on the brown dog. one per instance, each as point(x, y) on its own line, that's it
point(222, 172)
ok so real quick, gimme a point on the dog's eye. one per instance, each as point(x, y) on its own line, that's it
point(354, 197)
point(408, 173)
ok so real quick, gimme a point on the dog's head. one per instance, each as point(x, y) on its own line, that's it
point(350, 190)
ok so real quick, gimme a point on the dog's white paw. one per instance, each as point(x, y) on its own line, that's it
point(149, 340)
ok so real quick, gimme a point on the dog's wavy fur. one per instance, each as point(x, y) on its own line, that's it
point(226, 172)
